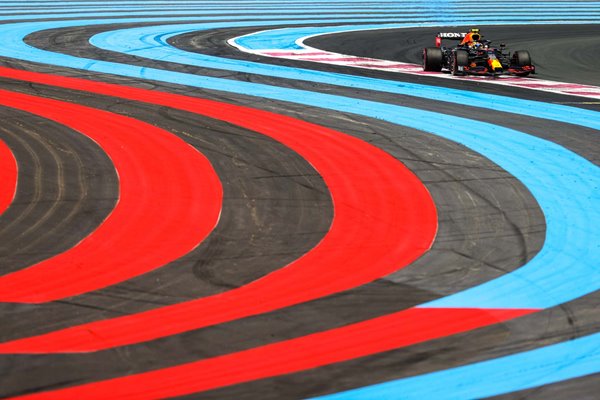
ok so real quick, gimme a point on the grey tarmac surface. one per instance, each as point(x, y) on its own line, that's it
point(489, 225)
point(40, 221)
point(566, 53)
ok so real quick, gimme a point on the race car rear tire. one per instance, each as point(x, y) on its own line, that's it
point(432, 59)
point(521, 58)
point(460, 58)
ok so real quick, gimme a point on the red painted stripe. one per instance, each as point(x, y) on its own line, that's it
point(384, 220)
point(397, 66)
point(584, 93)
point(507, 79)
point(339, 59)
point(553, 86)
point(377, 335)
point(170, 199)
point(8, 176)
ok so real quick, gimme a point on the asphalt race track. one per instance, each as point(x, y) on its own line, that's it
point(182, 218)
point(557, 50)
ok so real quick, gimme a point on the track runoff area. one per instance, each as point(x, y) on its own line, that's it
point(170, 198)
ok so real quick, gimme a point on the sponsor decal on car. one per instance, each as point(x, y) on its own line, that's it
point(451, 35)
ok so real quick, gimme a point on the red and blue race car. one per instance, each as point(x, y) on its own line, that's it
point(475, 56)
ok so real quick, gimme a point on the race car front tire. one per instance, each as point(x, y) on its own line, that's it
point(432, 59)
point(521, 58)
point(460, 58)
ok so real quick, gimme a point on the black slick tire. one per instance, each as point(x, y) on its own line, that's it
point(460, 58)
point(432, 59)
point(521, 58)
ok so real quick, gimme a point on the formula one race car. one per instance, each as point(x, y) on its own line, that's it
point(474, 56)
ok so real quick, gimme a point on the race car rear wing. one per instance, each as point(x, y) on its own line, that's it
point(448, 35)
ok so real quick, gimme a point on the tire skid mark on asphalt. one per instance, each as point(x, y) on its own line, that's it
point(170, 199)
point(384, 219)
point(59, 196)
point(8, 177)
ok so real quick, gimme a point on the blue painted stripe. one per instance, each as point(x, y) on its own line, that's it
point(408, 8)
point(586, 17)
point(317, 17)
point(29, 4)
point(343, 17)
point(282, 7)
point(556, 363)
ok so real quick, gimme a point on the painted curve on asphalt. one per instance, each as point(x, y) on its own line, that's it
point(8, 176)
point(145, 42)
point(357, 340)
point(289, 38)
point(271, 321)
point(528, 299)
point(152, 43)
point(384, 218)
point(170, 199)
point(13, 35)
point(533, 368)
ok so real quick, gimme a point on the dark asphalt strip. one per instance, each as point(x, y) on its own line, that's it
point(66, 188)
point(535, 224)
